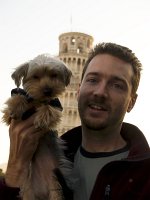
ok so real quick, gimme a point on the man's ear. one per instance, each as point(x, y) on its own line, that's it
point(132, 102)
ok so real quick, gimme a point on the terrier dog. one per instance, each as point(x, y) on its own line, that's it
point(43, 79)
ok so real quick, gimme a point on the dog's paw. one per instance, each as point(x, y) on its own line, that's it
point(47, 117)
point(15, 107)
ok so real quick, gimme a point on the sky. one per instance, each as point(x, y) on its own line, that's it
point(32, 27)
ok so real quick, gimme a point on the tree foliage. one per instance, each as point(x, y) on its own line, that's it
point(1, 172)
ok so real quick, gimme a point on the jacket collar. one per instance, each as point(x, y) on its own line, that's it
point(139, 148)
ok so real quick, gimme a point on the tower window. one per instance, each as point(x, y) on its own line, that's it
point(79, 61)
point(73, 40)
point(80, 48)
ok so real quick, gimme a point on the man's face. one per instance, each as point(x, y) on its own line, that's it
point(105, 94)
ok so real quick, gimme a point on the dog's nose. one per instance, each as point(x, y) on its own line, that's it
point(48, 91)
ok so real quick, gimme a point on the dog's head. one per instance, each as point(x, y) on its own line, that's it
point(43, 77)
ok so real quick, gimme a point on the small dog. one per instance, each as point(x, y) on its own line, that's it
point(43, 79)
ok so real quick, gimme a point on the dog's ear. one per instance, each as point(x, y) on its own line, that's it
point(20, 73)
point(67, 76)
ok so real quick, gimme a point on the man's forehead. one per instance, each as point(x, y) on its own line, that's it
point(105, 64)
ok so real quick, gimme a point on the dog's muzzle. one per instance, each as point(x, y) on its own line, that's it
point(48, 91)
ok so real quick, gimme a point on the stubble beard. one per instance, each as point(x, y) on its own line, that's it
point(94, 126)
point(98, 124)
point(91, 123)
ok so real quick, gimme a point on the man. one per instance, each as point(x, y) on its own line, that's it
point(111, 159)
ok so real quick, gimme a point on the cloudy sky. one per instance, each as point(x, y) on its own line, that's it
point(32, 27)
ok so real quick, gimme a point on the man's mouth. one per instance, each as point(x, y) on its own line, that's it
point(98, 107)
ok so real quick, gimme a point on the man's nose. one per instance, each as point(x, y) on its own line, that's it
point(101, 89)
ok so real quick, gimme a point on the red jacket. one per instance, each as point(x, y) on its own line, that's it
point(128, 179)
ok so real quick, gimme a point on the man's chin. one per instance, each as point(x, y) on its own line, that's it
point(95, 126)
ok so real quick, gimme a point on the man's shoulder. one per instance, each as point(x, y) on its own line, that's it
point(74, 132)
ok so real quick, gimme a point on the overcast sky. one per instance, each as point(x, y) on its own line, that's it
point(32, 27)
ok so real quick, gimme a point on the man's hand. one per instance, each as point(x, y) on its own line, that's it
point(24, 139)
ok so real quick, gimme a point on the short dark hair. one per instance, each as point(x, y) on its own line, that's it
point(120, 52)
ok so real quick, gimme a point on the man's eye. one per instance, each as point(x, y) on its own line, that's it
point(118, 86)
point(91, 80)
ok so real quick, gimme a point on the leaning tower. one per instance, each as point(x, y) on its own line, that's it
point(73, 50)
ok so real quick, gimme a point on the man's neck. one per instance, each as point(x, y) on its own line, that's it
point(102, 140)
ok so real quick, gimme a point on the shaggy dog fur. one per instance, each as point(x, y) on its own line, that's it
point(43, 79)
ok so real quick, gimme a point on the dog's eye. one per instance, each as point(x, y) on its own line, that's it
point(53, 75)
point(36, 77)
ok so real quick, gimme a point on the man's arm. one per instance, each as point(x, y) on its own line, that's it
point(24, 139)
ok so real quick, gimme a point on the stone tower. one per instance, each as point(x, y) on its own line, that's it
point(73, 50)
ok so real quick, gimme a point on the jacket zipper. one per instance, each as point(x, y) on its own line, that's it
point(107, 192)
